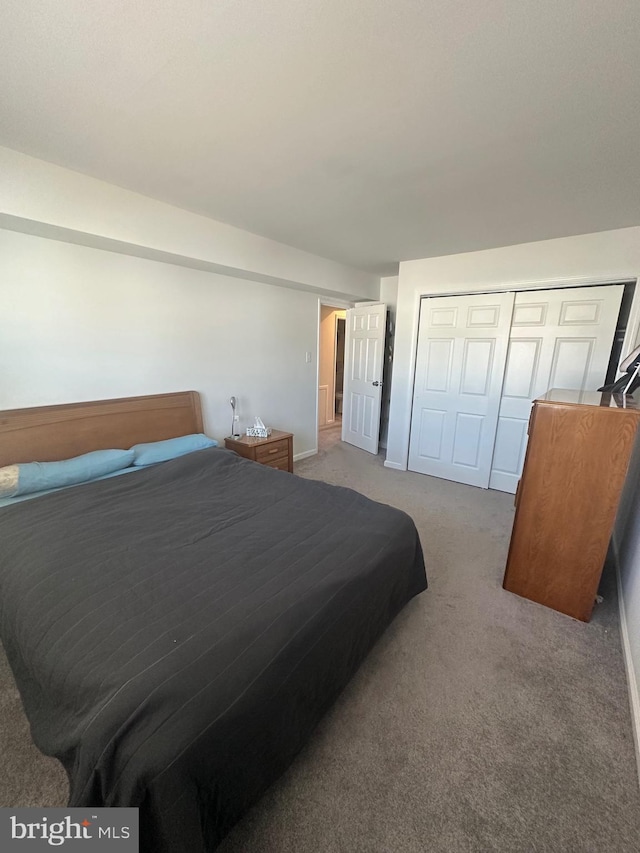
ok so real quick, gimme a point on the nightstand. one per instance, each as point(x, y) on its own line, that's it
point(276, 450)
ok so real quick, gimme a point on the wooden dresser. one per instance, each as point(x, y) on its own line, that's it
point(276, 451)
point(580, 444)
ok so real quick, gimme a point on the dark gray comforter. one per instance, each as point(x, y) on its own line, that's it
point(176, 634)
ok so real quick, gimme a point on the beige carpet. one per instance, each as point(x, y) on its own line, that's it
point(480, 722)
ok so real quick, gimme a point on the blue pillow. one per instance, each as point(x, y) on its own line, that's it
point(161, 451)
point(20, 498)
point(38, 476)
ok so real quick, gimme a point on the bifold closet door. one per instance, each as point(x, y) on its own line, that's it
point(559, 339)
point(462, 350)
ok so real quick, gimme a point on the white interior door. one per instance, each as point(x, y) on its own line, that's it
point(363, 363)
point(559, 339)
point(462, 350)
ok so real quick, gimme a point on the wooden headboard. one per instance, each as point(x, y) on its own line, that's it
point(47, 433)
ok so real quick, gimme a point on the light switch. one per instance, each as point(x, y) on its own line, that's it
point(307, 357)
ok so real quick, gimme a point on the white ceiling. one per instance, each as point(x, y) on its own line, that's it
point(368, 131)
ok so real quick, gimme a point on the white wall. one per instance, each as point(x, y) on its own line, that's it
point(590, 258)
point(84, 324)
point(104, 292)
point(39, 197)
point(389, 293)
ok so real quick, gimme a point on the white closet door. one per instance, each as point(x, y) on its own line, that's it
point(559, 339)
point(462, 349)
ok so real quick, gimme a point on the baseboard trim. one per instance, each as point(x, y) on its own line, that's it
point(305, 454)
point(395, 465)
point(632, 682)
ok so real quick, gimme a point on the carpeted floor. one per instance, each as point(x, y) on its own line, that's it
point(480, 721)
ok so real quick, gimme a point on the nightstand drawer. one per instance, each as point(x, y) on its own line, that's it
point(272, 450)
point(281, 464)
point(275, 451)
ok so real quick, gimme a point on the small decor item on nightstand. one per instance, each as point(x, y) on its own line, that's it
point(234, 418)
point(258, 430)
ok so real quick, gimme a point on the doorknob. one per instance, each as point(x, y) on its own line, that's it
point(377, 383)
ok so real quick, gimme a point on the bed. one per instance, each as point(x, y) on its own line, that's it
point(177, 633)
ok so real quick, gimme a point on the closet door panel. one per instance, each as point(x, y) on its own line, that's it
point(462, 348)
point(559, 339)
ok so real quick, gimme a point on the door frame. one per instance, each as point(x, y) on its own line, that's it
point(341, 305)
point(630, 337)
